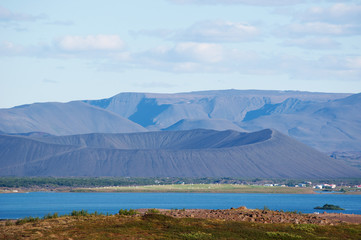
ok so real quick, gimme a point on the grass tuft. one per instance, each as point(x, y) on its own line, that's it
point(27, 220)
point(50, 216)
point(197, 235)
point(82, 213)
point(283, 235)
point(152, 211)
point(126, 212)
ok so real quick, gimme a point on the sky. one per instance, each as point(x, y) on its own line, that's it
point(59, 51)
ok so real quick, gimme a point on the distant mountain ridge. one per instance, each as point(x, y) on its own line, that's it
point(63, 119)
point(326, 121)
point(167, 109)
point(192, 153)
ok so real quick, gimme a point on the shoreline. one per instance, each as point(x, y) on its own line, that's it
point(178, 188)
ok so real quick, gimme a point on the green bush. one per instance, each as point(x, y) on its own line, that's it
point(82, 212)
point(50, 216)
point(97, 214)
point(9, 223)
point(329, 207)
point(129, 212)
point(152, 211)
point(26, 220)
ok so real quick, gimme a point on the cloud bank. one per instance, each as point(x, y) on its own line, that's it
point(218, 31)
point(211, 31)
point(7, 15)
point(91, 42)
point(337, 13)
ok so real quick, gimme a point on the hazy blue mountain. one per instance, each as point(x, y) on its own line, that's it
point(327, 121)
point(160, 111)
point(63, 118)
point(290, 105)
point(193, 153)
point(329, 126)
point(215, 124)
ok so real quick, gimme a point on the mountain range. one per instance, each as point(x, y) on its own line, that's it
point(226, 133)
point(326, 121)
point(192, 153)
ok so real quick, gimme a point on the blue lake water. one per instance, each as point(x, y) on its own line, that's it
point(19, 205)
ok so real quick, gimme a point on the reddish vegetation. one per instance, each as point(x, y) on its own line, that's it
point(263, 216)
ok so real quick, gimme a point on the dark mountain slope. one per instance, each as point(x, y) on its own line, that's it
point(194, 139)
point(196, 153)
point(63, 118)
point(16, 152)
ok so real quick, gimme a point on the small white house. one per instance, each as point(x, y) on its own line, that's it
point(329, 186)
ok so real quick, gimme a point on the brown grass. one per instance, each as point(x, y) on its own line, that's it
point(157, 226)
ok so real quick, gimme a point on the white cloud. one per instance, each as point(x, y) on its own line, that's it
point(91, 43)
point(312, 43)
point(186, 52)
point(92, 46)
point(218, 31)
point(7, 15)
point(195, 57)
point(203, 52)
point(162, 33)
point(185, 57)
point(8, 48)
point(337, 13)
point(200, 57)
point(247, 2)
point(318, 29)
point(211, 31)
point(15, 20)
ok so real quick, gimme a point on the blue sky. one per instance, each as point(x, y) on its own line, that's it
point(71, 50)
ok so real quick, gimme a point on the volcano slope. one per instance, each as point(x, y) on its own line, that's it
point(192, 153)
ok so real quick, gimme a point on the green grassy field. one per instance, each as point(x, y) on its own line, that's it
point(156, 226)
point(201, 188)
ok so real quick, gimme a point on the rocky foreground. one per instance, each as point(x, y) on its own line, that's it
point(239, 223)
point(263, 216)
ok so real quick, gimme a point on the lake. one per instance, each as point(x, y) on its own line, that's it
point(19, 205)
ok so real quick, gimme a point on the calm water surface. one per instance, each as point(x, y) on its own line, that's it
point(19, 205)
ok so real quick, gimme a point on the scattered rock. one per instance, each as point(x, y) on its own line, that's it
point(253, 215)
